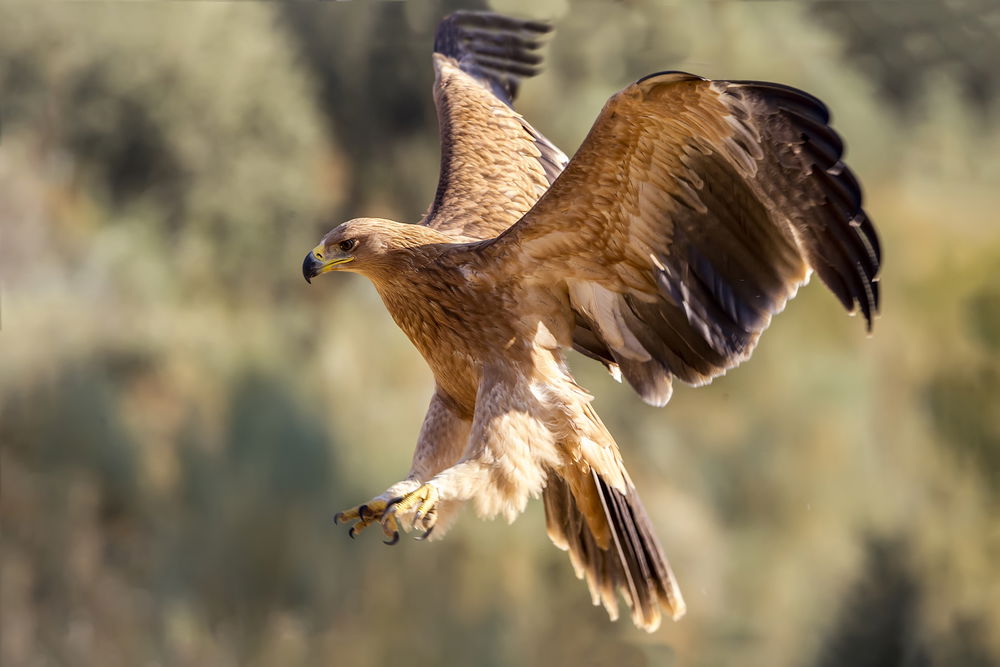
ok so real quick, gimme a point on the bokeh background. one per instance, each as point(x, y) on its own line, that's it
point(181, 415)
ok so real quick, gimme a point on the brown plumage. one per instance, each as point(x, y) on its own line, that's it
point(691, 213)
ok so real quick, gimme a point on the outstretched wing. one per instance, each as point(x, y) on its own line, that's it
point(691, 213)
point(494, 165)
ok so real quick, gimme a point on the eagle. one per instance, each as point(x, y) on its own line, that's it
point(691, 213)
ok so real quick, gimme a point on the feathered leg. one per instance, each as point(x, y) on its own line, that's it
point(510, 448)
point(442, 438)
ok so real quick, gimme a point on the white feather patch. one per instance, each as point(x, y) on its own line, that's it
point(616, 373)
point(603, 308)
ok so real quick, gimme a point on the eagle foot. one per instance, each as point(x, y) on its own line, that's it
point(367, 514)
point(423, 504)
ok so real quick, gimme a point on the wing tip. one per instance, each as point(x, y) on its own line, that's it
point(497, 50)
point(776, 92)
point(488, 19)
point(843, 245)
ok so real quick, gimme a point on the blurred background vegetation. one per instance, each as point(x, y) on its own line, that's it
point(180, 415)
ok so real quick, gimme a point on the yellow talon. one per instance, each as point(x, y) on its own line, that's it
point(390, 528)
point(364, 516)
point(373, 508)
point(423, 503)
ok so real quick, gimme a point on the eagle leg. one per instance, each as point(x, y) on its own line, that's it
point(364, 515)
point(376, 510)
point(423, 504)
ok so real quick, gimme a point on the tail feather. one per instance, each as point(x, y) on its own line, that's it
point(632, 564)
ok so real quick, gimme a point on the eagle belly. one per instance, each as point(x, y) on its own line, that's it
point(532, 421)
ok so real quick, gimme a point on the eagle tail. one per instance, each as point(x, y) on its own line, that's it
point(631, 559)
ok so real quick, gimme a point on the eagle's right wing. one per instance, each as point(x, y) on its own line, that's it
point(689, 216)
point(494, 165)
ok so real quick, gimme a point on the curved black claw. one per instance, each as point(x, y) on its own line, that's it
point(337, 518)
point(362, 511)
point(394, 501)
point(423, 536)
point(351, 534)
point(427, 519)
point(395, 538)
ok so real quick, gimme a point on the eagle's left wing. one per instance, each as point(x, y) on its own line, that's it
point(692, 212)
point(494, 165)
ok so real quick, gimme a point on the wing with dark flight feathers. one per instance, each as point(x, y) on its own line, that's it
point(691, 213)
point(494, 165)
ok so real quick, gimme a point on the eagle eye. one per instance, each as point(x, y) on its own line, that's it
point(348, 245)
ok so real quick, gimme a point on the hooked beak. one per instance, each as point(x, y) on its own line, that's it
point(311, 267)
point(315, 263)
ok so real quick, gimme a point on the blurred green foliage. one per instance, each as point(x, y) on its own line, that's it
point(180, 416)
point(956, 39)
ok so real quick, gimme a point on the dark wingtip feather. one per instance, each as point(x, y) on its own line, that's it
point(789, 98)
point(497, 50)
point(842, 242)
point(492, 21)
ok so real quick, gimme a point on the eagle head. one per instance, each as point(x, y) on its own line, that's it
point(349, 247)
